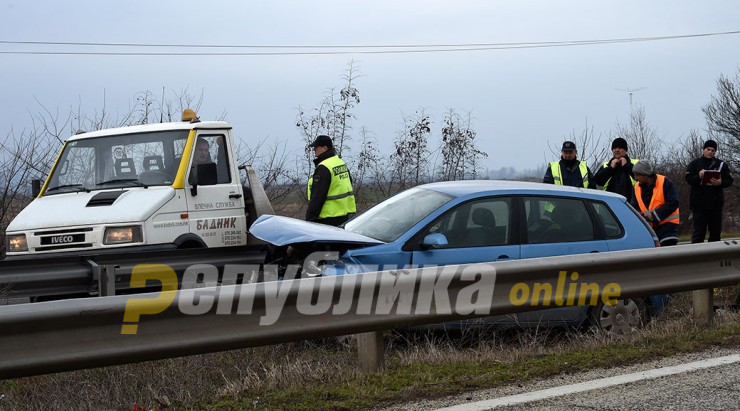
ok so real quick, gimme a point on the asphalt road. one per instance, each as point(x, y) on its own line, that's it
point(714, 388)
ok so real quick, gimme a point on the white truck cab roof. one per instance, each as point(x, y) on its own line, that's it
point(149, 128)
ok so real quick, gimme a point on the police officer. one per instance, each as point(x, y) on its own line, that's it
point(568, 171)
point(616, 174)
point(330, 196)
point(657, 199)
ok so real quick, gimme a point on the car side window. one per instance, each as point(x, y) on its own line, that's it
point(481, 223)
point(608, 221)
point(555, 220)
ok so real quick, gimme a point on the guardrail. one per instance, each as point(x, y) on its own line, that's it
point(105, 274)
point(84, 333)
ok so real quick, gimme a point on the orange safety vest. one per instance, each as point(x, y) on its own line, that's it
point(657, 200)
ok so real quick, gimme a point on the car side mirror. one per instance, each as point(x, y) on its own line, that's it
point(434, 240)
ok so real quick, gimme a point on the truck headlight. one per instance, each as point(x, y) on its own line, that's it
point(122, 235)
point(17, 242)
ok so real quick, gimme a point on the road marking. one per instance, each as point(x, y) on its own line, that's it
point(593, 385)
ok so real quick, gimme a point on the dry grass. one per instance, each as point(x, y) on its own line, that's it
point(181, 381)
point(317, 374)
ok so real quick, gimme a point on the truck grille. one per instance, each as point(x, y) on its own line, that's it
point(62, 239)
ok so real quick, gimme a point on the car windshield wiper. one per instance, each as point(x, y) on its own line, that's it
point(77, 187)
point(133, 181)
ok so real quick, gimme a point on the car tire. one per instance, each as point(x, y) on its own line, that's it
point(623, 318)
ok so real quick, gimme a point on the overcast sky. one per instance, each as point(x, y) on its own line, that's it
point(520, 99)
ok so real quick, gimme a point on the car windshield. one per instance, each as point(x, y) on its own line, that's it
point(390, 219)
point(143, 159)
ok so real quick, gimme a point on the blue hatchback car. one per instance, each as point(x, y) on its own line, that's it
point(461, 222)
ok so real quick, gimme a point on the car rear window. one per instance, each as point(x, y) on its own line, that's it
point(608, 221)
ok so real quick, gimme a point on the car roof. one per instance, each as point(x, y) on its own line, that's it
point(150, 128)
point(468, 187)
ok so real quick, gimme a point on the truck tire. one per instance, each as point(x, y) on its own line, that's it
point(187, 241)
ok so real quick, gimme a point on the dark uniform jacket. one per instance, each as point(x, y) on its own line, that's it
point(705, 197)
point(619, 178)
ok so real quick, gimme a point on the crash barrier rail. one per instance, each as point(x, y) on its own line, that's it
point(104, 274)
point(83, 333)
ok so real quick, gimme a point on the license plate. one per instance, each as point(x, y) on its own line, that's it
point(63, 239)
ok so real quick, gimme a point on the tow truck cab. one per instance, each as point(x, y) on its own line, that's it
point(154, 186)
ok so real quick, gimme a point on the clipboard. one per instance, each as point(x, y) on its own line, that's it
point(709, 175)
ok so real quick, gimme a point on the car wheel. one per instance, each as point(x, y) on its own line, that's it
point(623, 318)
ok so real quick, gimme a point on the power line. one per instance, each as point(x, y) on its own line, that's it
point(358, 48)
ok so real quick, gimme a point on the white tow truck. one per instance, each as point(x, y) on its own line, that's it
point(141, 188)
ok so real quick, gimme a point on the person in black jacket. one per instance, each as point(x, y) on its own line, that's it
point(569, 171)
point(707, 199)
point(616, 174)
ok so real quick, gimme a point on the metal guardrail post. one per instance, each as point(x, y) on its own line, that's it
point(96, 275)
point(371, 351)
point(105, 275)
point(703, 306)
point(107, 282)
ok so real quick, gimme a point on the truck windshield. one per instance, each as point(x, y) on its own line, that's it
point(390, 219)
point(143, 159)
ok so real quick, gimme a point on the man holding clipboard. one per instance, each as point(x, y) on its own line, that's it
point(707, 176)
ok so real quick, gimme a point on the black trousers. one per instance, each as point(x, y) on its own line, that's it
point(335, 221)
point(703, 219)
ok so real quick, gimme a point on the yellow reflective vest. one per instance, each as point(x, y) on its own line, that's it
point(340, 200)
point(558, 179)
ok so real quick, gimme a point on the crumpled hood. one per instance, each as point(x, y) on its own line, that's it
point(70, 209)
point(280, 231)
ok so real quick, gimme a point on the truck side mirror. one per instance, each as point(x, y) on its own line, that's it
point(35, 187)
point(204, 174)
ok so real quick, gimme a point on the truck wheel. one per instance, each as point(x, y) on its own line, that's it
point(623, 318)
point(190, 245)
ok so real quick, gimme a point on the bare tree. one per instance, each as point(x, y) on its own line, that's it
point(459, 152)
point(591, 148)
point(270, 161)
point(364, 166)
point(723, 116)
point(22, 158)
point(409, 160)
point(332, 116)
point(642, 139)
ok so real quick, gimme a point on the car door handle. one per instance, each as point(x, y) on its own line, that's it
point(595, 251)
point(502, 257)
point(235, 196)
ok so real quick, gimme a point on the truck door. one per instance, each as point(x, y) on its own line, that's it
point(214, 192)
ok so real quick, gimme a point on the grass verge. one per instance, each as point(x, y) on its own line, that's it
point(409, 376)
